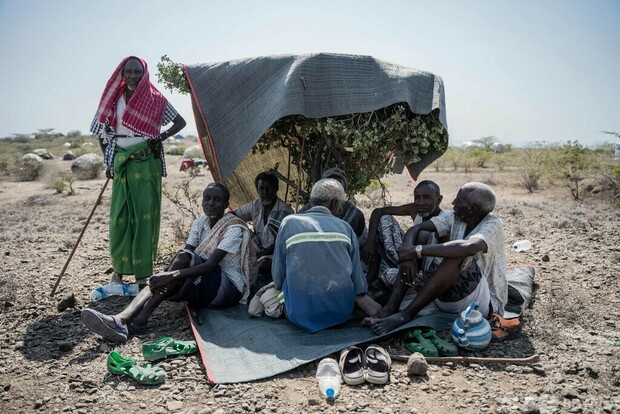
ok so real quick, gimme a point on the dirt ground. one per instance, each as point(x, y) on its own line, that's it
point(50, 363)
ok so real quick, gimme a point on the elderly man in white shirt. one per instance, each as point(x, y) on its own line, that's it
point(471, 266)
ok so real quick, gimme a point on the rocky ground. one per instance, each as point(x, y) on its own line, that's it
point(50, 363)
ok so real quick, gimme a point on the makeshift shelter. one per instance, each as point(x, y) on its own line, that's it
point(235, 102)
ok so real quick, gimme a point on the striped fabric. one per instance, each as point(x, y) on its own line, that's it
point(326, 237)
point(145, 109)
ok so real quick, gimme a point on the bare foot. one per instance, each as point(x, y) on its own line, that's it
point(368, 305)
point(382, 326)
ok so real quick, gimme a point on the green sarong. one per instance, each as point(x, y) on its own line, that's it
point(135, 210)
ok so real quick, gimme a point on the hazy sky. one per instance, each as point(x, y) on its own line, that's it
point(520, 70)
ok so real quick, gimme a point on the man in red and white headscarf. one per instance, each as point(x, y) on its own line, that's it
point(128, 122)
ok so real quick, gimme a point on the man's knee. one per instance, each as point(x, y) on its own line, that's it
point(424, 237)
point(181, 260)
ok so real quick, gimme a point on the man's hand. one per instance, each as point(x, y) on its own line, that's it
point(408, 271)
point(158, 283)
point(108, 173)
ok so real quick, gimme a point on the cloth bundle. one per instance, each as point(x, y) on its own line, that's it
point(268, 301)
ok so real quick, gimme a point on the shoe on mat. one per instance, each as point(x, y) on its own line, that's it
point(378, 363)
point(352, 365)
point(144, 374)
point(106, 326)
point(445, 347)
point(167, 346)
point(414, 341)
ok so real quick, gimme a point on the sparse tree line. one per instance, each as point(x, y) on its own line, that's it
point(581, 170)
point(578, 168)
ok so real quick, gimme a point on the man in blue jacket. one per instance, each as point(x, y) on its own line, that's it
point(316, 263)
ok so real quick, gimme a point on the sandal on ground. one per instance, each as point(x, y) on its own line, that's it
point(99, 323)
point(167, 346)
point(503, 329)
point(378, 364)
point(415, 342)
point(352, 365)
point(145, 374)
point(444, 347)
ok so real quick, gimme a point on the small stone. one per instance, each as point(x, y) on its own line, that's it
point(6, 387)
point(19, 345)
point(67, 302)
point(571, 370)
point(38, 404)
point(569, 393)
point(417, 365)
point(105, 348)
point(545, 258)
point(592, 372)
point(65, 346)
point(174, 405)
point(529, 406)
point(313, 401)
point(142, 405)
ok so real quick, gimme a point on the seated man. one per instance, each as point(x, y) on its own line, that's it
point(266, 213)
point(316, 263)
point(385, 235)
point(219, 274)
point(473, 265)
point(350, 213)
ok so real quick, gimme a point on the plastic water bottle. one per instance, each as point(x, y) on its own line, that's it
point(522, 245)
point(329, 377)
point(114, 289)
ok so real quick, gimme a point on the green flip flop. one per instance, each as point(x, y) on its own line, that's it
point(167, 346)
point(445, 347)
point(145, 374)
point(415, 342)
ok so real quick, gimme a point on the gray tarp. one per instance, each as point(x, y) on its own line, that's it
point(237, 348)
point(235, 102)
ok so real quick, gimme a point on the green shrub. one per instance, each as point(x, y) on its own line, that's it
point(531, 167)
point(62, 184)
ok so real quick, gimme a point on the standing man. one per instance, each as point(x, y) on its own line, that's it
point(266, 213)
point(316, 263)
point(128, 122)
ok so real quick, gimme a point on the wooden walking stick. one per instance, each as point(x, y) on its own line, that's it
point(478, 360)
point(80, 237)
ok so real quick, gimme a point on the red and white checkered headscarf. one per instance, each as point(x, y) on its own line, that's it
point(145, 109)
